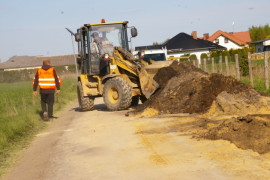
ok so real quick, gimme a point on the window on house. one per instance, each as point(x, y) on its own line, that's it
point(217, 41)
point(226, 40)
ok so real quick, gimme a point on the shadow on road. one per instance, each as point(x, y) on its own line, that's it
point(98, 107)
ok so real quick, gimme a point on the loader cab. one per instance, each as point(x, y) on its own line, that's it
point(96, 43)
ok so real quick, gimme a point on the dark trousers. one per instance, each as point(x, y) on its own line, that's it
point(47, 99)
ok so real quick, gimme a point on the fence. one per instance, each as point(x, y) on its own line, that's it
point(253, 72)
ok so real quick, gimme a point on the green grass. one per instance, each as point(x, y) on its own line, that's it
point(20, 115)
point(258, 73)
point(258, 83)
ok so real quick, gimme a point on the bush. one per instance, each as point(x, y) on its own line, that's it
point(214, 54)
point(184, 57)
point(204, 55)
point(225, 53)
point(193, 57)
point(243, 64)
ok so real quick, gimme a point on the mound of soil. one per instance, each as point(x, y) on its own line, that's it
point(187, 89)
point(249, 132)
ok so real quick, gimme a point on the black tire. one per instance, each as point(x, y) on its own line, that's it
point(135, 100)
point(85, 103)
point(117, 94)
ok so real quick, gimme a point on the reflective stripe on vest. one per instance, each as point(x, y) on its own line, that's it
point(46, 79)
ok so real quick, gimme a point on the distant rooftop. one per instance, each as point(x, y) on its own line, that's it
point(260, 41)
point(35, 61)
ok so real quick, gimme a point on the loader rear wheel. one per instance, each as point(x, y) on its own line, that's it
point(85, 103)
point(117, 94)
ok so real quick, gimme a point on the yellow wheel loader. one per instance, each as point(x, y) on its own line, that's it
point(108, 69)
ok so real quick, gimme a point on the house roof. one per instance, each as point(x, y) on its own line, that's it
point(240, 38)
point(183, 42)
point(35, 61)
point(149, 47)
point(260, 41)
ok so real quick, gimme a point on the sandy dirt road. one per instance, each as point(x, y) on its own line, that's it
point(108, 145)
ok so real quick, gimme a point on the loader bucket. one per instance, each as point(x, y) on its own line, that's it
point(153, 68)
point(148, 84)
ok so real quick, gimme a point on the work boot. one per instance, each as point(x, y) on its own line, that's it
point(45, 116)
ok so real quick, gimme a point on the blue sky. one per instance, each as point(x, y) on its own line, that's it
point(37, 27)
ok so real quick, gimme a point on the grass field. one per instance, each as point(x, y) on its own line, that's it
point(20, 114)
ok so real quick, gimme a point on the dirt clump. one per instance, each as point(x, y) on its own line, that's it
point(248, 132)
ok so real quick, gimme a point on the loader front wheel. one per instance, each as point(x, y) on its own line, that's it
point(117, 94)
point(85, 103)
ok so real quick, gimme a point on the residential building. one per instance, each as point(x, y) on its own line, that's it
point(262, 45)
point(232, 40)
point(33, 62)
point(182, 44)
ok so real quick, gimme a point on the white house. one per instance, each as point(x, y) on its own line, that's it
point(232, 40)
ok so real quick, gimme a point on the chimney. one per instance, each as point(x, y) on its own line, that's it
point(205, 36)
point(194, 34)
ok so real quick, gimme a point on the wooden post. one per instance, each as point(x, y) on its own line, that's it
point(204, 65)
point(250, 69)
point(194, 62)
point(227, 66)
point(266, 70)
point(198, 63)
point(220, 64)
point(213, 65)
point(237, 67)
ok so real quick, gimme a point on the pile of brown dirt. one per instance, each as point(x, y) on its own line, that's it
point(187, 89)
point(249, 132)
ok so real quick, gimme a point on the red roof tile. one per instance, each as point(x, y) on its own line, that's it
point(240, 38)
point(244, 36)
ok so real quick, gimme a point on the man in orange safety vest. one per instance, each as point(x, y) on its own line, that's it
point(47, 80)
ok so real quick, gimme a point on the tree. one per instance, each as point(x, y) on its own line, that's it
point(164, 42)
point(259, 33)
